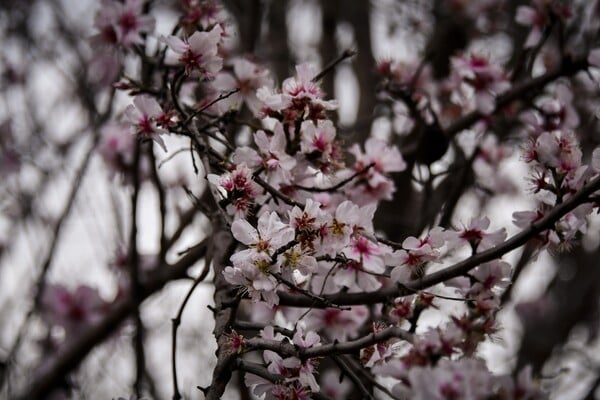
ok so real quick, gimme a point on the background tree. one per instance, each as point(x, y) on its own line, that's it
point(159, 157)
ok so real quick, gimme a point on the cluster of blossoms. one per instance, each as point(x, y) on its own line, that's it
point(323, 244)
point(300, 98)
point(301, 150)
point(299, 379)
point(553, 152)
point(121, 26)
point(466, 378)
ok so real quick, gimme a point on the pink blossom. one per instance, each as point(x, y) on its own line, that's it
point(558, 149)
point(116, 148)
point(306, 367)
point(523, 219)
point(318, 143)
point(122, 23)
point(553, 111)
point(298, 374)
point(374, 184)
point(539, 15)
point(204, 13)
point(596, 159)
point(349, 220)
point(271, 155)
point(474, 234)
point(300, 97)
point(199, 52)
point(297, 259)
point(237, 188)
point(338, 324)
point(491, 275)
point(365, 262)
point(380, 351)
point(333, 388)
point(384, 157)
point(410, 261)
point(573, 222)
point(536, 19)
point(302, 87)
point(354, 277)
point(255, 276)
point(367, 253)
point(260, 386)
point(73, 310)
point(270, 235)
point(467, 379)
point(339, 230)
point(248, 77)
point(485, 79)
point(253, 268)
point(309, 224)
point(402, 308)
point(144, 115)
point(594, 58)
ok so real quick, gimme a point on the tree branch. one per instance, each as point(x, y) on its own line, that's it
point(226, 303)
point(460, 268)
point(73, 352)
point(284, 347)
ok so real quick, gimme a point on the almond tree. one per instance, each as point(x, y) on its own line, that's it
point(347, 258)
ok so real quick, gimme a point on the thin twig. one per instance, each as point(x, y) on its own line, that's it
point(307, 293)
point(345, 55)
point(162, 206)
point(205, 107)
point(357, 367)
point(177, 321)
point(339, 184)
point(347, 370)
point(134, 282)
point(276, 193)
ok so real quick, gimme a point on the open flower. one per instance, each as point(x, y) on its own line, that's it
point(476, 236)
point(144, 115)
point(253, 268)
point(271, 155)
point(248, 77)
point(199, 52)
point(122, 23)
point(475, 73)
